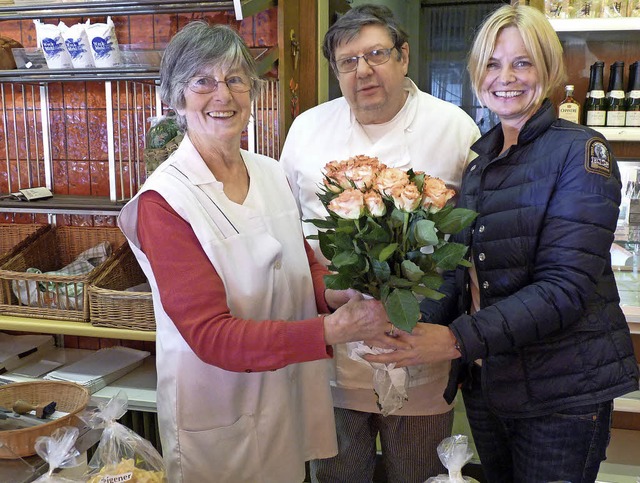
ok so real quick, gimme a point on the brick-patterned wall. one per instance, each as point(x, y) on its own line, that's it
point(78, 128)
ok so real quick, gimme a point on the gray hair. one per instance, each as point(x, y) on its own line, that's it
point(195, 47)
point(349, 25)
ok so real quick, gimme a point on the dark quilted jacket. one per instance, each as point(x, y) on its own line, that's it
point(550, 330)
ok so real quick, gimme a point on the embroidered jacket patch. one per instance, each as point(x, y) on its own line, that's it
point(597, 158)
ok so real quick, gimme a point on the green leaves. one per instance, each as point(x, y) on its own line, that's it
point(452, 220)
point(396, 257)
point(403, 309)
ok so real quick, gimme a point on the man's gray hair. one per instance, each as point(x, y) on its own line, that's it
point(350, 24)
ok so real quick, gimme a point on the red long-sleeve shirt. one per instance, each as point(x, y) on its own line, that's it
point(193, 295)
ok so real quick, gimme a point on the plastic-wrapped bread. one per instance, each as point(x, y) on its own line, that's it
point(104, 43)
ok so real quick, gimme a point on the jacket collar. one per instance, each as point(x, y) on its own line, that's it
point(534, 127)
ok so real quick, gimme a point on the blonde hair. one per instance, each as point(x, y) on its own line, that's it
point(540, 40)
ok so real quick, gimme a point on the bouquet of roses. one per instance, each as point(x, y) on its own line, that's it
point(387, 234)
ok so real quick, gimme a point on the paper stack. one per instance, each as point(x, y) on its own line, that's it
point(100, 368)
point(17, 350)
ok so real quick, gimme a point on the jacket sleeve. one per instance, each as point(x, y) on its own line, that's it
point(571, 254)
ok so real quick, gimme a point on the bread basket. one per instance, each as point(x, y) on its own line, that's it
point(69, 397)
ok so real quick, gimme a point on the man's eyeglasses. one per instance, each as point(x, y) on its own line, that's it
point(204, 84)
point(375, 57)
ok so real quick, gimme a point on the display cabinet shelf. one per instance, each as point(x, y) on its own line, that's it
point(630, 134)
point(83, 329)
point(56, 9)
point(586, 25)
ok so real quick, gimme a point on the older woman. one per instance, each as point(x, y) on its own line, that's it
point(536, 318)
point(243, 393)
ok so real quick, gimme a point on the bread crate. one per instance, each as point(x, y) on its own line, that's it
point(31, 282)
point(111, 304)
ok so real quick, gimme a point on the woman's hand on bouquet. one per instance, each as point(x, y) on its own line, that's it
point(360, 320)
point(427, 343)
point(337, 298)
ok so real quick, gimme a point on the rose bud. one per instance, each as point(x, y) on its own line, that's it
point(349, 204)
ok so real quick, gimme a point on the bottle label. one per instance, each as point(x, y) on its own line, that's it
point(633, 119)
point(570, 112)
point(616, 94)
point(596, 118)
point(597, 94)
point(634, 94)
point(615, 118)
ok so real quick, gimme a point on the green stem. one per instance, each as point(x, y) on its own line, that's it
point(405, 226)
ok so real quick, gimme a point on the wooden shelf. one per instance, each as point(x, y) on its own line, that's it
point(55, 9)
point(65, 205)
point(630, 134)
point(84, 329)
point(595, 24)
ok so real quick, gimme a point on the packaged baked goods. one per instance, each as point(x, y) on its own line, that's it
point(122, 454)
point(7, 61)
point(104, 43)
point(53, 47)
point(78, 46)
point(59, 451)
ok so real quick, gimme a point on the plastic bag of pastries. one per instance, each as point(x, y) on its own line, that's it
point(7, 61)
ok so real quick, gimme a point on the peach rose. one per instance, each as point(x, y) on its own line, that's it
point(374, 204)
point(406, 198)
point(390, 178)
point(349, 204)
point(362, 175)
point(436, 194)
point(335, 179)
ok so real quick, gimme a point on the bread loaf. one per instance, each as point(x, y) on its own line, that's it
point(6, 56)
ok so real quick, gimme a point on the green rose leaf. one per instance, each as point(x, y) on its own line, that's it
point(387, 251)
point(325, 224)
point(425, 232)
point(428, 293)
point(449, 256)
point(455, 220)
point(411, 271)
point(403, 309)
point(432, 281)
point(338, 281)
point(344, 259)
point(381, 270)
point(326, 245)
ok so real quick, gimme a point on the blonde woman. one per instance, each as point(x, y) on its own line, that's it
point(534, 326)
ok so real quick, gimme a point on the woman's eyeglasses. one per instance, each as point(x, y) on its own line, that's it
point(204, 84)
point(375, 57)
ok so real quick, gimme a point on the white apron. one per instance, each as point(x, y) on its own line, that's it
point(219, 426)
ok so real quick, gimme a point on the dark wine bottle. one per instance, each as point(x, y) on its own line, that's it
point(633, 101)
point(595, 107)
point(616, 108)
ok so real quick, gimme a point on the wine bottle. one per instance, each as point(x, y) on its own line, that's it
point(633, 102)
point(616, 109)
point(595, 107)
point(569, 108)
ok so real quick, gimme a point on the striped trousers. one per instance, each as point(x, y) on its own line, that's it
point(408, 446)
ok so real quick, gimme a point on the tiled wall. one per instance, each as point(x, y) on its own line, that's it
point(78, 127)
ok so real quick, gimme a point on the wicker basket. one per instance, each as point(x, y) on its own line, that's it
point(14, 236)
point(111, 305)
point(67, 298)
point(69, 397)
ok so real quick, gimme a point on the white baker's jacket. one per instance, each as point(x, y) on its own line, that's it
point(220, 426)
point(435, 137)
